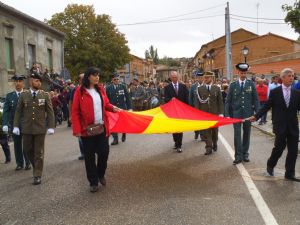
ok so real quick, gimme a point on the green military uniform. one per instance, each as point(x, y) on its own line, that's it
point(9, 110)
point(138, 95)
point(37, 113)
point(241, 102)
point(209, 99)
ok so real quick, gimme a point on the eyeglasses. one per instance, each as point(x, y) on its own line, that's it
point(116, 79)
point(96, 75)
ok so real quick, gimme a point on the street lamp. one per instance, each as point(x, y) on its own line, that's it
point(245, 52)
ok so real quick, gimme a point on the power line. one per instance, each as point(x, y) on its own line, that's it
point(249, 21)
point(248, 17)
point(167, 21)
point(170, 17)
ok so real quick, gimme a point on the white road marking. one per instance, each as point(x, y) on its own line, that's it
point(260, 203)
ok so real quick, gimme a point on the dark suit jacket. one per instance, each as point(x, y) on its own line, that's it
point(183, 93)
point(284, 118)
point(9, 109)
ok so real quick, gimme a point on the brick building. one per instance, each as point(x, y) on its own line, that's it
point(265, 51)
point(143, 69)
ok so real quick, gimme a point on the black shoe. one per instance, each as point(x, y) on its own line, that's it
point(246, 160)
point(179, 150)
point(215, 148)
point(102, 181)
point(236, 161)
point(37, 180)
point(19, 168)
point(270, 171)
point(94, 188)
point(123, 137)
point(292, 178)
point(27, 166)
point(196, 135)
point(7, 161)
point(81, 157)
point(260, 123)
point(208, 152)
point(115, 142)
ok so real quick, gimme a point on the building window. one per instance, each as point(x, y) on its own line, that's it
point(50, 58)
point(31, 55)
point(9, 54)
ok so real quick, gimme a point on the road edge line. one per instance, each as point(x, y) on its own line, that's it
point(260, 203)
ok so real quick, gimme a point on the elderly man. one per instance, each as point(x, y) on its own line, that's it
point(241, 102)
point(35, 107)
point(285, 103)
point(179, 91)
point(9, 110)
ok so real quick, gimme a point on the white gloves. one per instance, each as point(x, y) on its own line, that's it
point(16, 131)
point(50, 131)
point(221, 115)
point(5, 129)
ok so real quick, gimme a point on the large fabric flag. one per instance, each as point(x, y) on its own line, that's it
point(172, 117)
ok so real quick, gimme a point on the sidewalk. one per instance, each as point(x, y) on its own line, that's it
point(267, 128)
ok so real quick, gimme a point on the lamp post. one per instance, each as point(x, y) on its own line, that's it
point(245, 52)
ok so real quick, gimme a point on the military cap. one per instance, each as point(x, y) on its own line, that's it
point(114, 76)
point(209, 73)
point(18, 77)
point(243, 67)
point(35, 76)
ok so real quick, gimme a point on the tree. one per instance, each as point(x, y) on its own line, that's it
point(293, 15)
point(152, 54)
point(91, 40)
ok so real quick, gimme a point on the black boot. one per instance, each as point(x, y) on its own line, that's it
point(115, 142)
point(123, 137)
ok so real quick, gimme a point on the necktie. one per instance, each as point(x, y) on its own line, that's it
point(176, 89)
point(287, 96)
point(34, 94)
point(19, 95)
point(208, 88)
point(242, 85)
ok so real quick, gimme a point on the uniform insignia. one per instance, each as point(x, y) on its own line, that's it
point(41, 102)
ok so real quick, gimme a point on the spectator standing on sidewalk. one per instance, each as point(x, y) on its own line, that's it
point(262, 91)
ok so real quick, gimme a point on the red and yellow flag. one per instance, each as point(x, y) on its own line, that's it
point(172, 117)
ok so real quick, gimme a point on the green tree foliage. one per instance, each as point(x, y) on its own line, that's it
point(91, 40)
point(293, 15)
point(152, 54)
point(169, 61)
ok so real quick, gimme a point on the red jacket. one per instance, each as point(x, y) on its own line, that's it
point(262, 92)
point(83, 111)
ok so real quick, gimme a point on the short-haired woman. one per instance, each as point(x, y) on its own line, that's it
point(90, 122)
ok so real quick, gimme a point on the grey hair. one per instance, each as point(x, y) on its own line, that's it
point(174, 71)
point(285, 72)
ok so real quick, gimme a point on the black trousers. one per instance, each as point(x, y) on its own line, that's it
point(92, 146)
point(177, 137)
point(281, 141)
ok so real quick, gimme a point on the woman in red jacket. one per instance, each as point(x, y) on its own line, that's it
point(262, 91)
point(89, 109)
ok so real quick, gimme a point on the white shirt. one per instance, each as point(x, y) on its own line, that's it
point(177, 86)
point(240, 81)
point(286, 89)
point(97, 105)
point(36, 92)
point(17, 92)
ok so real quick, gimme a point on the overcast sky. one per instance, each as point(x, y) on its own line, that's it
point(178, 38)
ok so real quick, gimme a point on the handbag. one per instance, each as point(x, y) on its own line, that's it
point(94, 129)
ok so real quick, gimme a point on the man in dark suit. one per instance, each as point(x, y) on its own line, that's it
point(179, 91)
point(9, 110)
point(285, 103)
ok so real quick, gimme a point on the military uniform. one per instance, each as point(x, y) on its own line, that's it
point(118, 95)
point(209, 99)
point(241, 102)
point(9, 110)
point(138, 96)
point(37, 113)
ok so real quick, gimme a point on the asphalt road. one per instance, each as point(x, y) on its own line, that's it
point(148, 183)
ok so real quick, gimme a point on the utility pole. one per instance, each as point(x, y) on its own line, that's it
point(228, 44)
point(257, 6)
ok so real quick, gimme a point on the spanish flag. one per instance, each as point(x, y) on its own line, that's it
point(172, 117)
